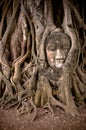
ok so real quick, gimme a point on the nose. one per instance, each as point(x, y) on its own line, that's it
point(58, 54)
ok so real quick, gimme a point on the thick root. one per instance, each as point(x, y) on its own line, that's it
point(44, 95)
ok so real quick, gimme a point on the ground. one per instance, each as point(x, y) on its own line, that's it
point(9, 120)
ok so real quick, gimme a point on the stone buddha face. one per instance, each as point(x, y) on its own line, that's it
point(57, 48)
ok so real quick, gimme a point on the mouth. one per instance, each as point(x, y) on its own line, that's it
point(59, 62)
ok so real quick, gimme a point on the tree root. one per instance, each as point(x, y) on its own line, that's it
point(31, 27)
point(27, 102)
point(7, 32)
point(5, 9)
point(48, 106)
point(29, 87)
point(26, 106)
point(5, 98)
point(69, 108)
point(81, 74)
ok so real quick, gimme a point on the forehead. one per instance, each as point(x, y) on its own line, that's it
point(58, 38)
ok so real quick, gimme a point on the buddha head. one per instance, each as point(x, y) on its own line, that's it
point(57, 47)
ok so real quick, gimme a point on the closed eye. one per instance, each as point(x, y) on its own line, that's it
point(52, 48)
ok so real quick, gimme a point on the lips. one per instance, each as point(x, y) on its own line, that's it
point(59, 62)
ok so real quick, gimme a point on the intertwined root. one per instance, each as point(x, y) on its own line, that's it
point(27, 100)
point(26, 86)
point(42, 95)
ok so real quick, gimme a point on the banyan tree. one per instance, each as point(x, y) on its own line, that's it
point(42, 55)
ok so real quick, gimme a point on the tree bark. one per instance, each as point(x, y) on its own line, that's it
point(25, 72)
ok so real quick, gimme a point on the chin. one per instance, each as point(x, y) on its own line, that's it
point(59, 65)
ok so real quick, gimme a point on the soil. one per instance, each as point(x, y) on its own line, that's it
point(9, 120)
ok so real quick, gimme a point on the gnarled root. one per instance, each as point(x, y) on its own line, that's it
point(7, 89)
point(44, 95)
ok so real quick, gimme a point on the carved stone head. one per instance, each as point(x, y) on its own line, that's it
point(57, 47)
